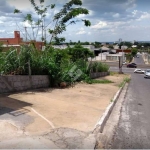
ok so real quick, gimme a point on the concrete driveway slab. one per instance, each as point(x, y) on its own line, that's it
point(66, 117)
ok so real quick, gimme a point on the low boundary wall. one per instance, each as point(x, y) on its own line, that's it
point(20, 83)
point(99, 74)
point(24, 82)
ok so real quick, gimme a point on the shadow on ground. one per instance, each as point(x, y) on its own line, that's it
point(12, 106)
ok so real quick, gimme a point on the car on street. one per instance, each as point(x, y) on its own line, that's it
point(147, 73)
point(139, 71)
point(132, 65)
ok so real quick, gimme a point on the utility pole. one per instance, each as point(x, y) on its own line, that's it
point(120, 65)
point(101, 54)
point(120, 60)
point(25, 33)
point(42, 31)
point(45, 35)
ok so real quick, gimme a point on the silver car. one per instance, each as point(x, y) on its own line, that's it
point(147, 73)
point(139, 71)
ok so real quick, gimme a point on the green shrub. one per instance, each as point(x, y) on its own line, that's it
point(79, 52)
point(94, 67)
point(95, 81)
point(98, 67)
point(69, 65)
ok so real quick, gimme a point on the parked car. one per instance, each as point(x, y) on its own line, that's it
point(147, 73)
point(124, 63)
point(139, 71)
point(132, 65)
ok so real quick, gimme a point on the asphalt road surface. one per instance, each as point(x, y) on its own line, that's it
point(139, 61)
point(133, 131)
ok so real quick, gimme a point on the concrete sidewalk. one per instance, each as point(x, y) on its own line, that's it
point(104, 140)
point(62, 138)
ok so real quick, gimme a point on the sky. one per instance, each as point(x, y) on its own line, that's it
point(110, 20)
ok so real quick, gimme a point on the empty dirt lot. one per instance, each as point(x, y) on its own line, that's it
point(35, 113)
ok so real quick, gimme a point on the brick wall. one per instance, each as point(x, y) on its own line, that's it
point(20, 83)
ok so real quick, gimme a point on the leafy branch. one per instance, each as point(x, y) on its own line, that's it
point(65, 17)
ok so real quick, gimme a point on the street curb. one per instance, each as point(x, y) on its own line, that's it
point(101, 123)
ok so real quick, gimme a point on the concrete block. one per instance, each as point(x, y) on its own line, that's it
point(16, 84)
point(19, 83)
point(9, 78)
point(2, 85)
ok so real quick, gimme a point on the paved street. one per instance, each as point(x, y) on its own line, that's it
point(139, 61)
point(134, 125)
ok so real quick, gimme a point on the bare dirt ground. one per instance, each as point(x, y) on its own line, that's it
point(40, 112)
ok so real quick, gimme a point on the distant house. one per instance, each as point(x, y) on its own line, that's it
point(113, 57)
point(98, 51)
point(90, 47)
point(104, 48)
point(124, 51)
point(17, 41)
point(116, 46)
point(12, 41)
point(124, 47)
point(134, 46)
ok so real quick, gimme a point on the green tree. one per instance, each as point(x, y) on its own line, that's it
point(66, 16)
point(39, 23)
point(134, 51)
point(129, 57)
point(110, 46)
point(1, 46)
point(97, 44)
point(128, 44)
point(86, 43)
point(79, 52)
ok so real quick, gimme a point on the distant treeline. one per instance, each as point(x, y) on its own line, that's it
point(139, 44)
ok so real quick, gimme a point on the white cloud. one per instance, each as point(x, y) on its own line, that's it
point(2, 31)
point(3, 18)
point(101, 24)
point(145, 15)
point(25, 24)
point(21, 5)
point(81, 32)
point(117, 15)
point(110, 19)
point(1, 22)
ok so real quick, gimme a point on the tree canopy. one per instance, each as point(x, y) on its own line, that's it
point(134, 51)
point(66, 16)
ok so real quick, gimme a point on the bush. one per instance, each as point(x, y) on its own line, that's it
point(94, 81)
point(2, 60)
point(69, 65)
point(98, 67)
point(79, 52)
